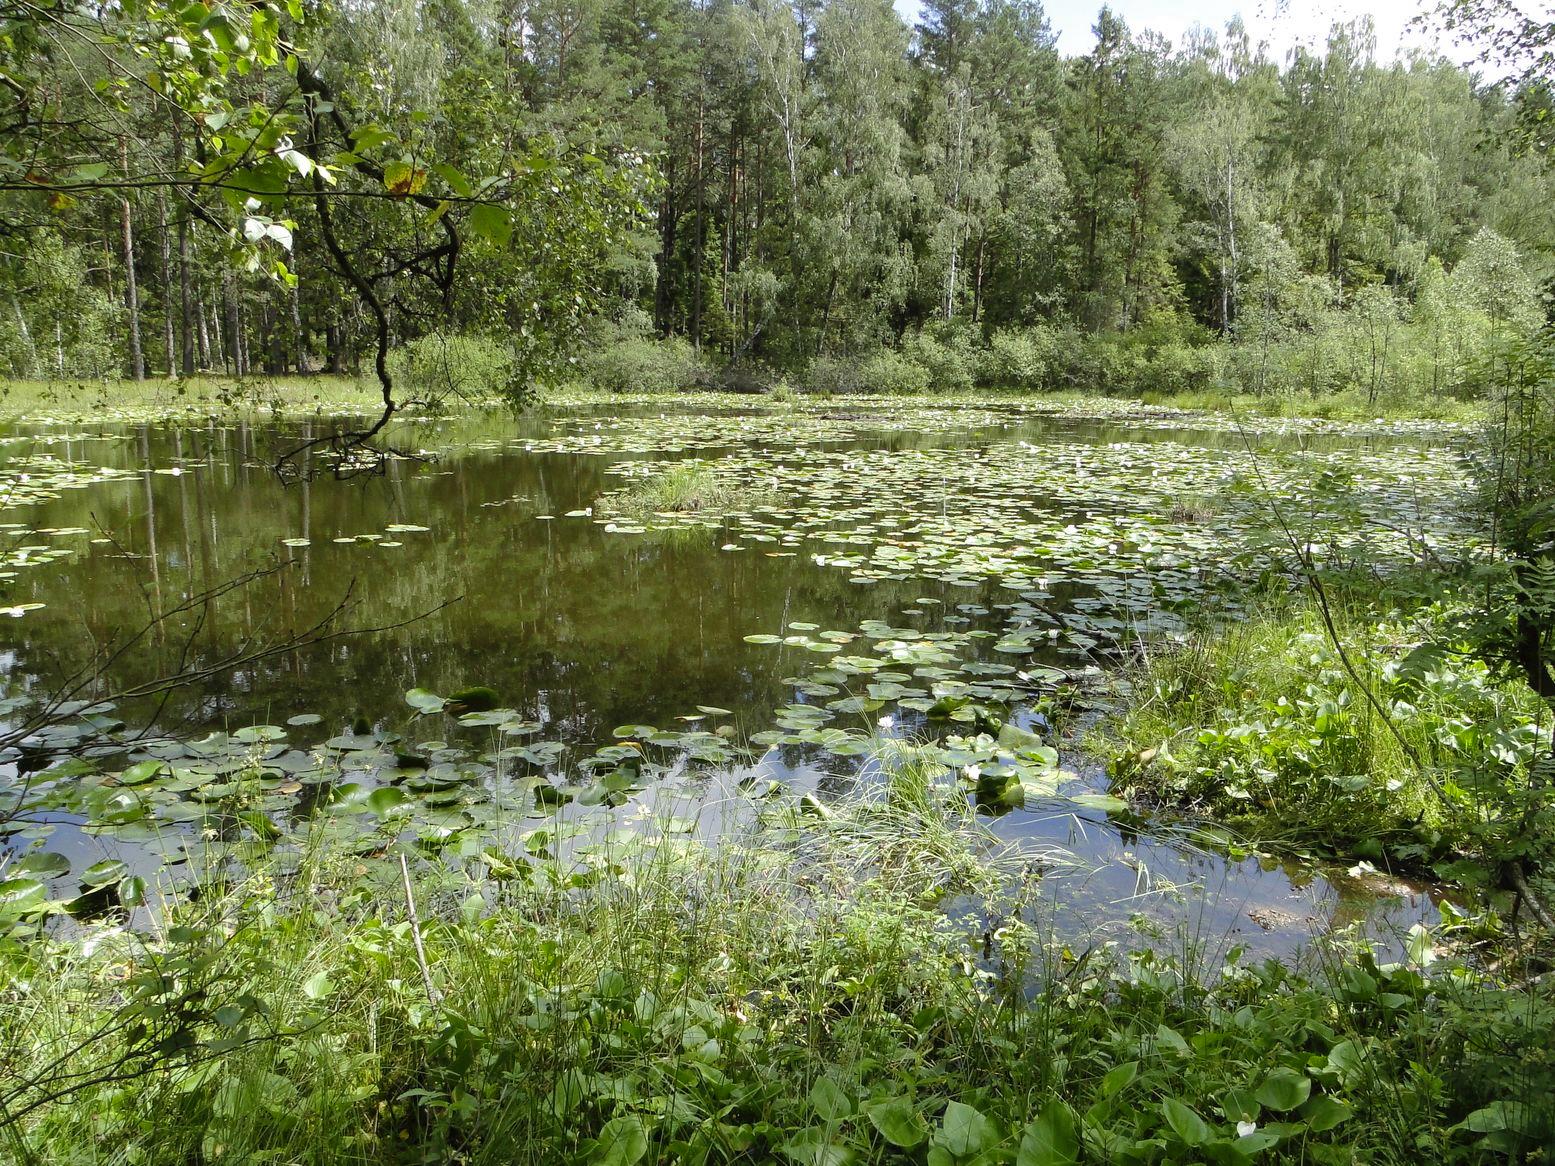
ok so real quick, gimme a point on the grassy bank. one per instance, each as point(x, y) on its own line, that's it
point(689, 487)
point(158, 397)
point(797, 997)
point(202, 396)
point(1339, 406)
point(1395, 749)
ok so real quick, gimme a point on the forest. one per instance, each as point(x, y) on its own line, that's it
point(736, 195)
point(727, 582)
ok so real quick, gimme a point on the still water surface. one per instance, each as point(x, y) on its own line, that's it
point(481, 559)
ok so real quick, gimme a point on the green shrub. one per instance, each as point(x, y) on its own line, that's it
point(947, 356)
point(834, 375)
point(642, 364)
point(1261, 723)
point(1162, 359)
point(1088, 362)
point(444, 365)
point(890, 371)
point(1023, 358)
point(1181, 368)
point(884, 371)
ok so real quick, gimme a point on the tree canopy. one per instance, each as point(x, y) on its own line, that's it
point(791, 187)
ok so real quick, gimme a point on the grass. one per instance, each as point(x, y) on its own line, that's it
point(688, 487)
point(1258, 722)
point(159, 397)
point(1346, 406)
point(791, 998)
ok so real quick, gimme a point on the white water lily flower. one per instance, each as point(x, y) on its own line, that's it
point(1243, 1128)
point(886, 721)
point(973, 772)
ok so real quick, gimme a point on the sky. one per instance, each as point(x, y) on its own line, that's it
point(1281, 23)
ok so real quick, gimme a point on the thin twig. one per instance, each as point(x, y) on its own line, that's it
point(433, 996)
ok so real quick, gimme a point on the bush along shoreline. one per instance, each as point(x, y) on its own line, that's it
point(788, 997)
point(1259, 724)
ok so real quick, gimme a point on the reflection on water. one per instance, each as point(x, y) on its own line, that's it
point(577, 627)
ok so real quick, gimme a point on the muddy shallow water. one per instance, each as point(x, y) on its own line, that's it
point(1058, 538)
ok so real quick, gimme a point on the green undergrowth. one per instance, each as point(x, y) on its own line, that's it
point(155, 398)
point(1394, 749)
point(799, 997)
point(1339, 406)
point(688, 487)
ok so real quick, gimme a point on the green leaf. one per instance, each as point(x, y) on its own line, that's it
point(1119, 1077)
point(456, 181)
point(1284, 1089)
point(814, 1147)
point(386, 798)
point(492, 222)
point(132, 891)
point(965, 1131)
point(21, 893)
point(141, 772)
point(1185, 1122)
point(1239, 1105)
point(1107, 803)
point(829, 1101)
point(1498, 1116)
point(1323, 1113)
point(45, 863)
point(1346, 1060)
point(318, 986)
point(109, 870)
point(622, 1142)
point(423, 701)
point(898, 1121)
point(1051, 1140)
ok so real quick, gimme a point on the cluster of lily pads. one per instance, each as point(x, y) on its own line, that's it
point(209, 805)
point(946, 411)
point(26, 481)
point(1133, 540)
point(229, 798)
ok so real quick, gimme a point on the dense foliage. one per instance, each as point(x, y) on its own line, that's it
point(839, 198)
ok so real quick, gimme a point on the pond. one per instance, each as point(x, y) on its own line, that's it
point(877, 572)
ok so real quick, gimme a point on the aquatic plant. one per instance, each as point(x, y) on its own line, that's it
point(648, 997)
point(688, 487)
